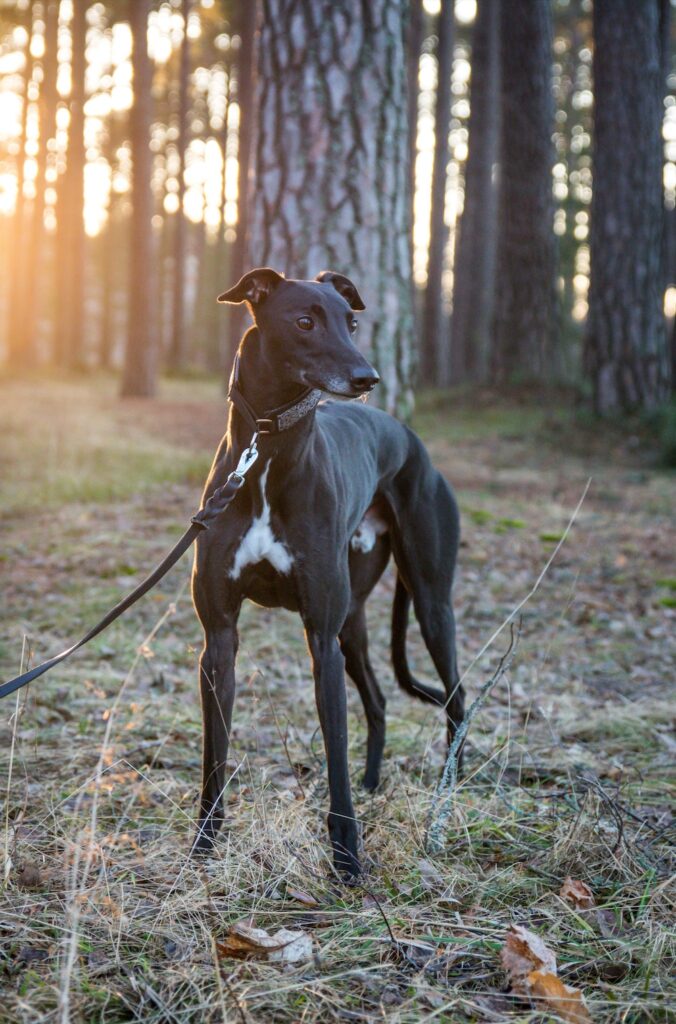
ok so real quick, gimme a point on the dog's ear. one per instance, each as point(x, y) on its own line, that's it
point(343, 286)
point(254, 287)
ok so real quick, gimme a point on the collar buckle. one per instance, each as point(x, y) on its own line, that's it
point(265, 426)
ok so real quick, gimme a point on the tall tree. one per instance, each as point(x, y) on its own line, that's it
point(476, 240)
point(71, 266)
point(331, 163)
point(524, 311)
point(177, 345)
point(627, 353)
point(18, 233)
point(245, 102)
point(140, 362)
point(33, 283)
point(414, 38)
point(434, 347)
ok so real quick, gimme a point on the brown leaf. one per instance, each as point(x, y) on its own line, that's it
point(565, 1002)
point(29, 877)
point(303, 897)
point(578, 893)
point(523, 953)
point(244, 942)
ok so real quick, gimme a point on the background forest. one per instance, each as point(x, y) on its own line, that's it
point(124, 211)
point(498, 177)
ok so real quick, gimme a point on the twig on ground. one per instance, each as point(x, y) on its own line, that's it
point(442, 802)
point(7, 866)
point(524, 601)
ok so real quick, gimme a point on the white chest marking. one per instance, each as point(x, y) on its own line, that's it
point(259, 544)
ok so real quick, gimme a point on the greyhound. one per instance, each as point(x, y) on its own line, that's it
point(337, 487)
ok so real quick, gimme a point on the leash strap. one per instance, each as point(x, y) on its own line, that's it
point(217, 503)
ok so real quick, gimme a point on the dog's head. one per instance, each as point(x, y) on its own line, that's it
point(306, 328)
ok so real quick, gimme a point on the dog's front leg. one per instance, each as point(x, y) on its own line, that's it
point(217, 689)
point(329, 674)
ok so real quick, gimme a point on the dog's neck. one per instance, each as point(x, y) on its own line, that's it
point(265, 388)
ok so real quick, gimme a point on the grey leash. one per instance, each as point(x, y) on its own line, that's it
point(202, 520)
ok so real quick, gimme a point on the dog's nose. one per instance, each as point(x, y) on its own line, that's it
point(364, 379)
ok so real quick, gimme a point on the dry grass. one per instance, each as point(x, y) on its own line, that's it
point(102, 916)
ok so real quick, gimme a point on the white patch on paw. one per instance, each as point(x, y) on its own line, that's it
point(259, 543)
point(366, 534)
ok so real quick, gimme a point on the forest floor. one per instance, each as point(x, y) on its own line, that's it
point(102, 915)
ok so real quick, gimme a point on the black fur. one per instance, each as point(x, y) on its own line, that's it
point(324, 474)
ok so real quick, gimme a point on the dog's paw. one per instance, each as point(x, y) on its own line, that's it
point(370, 782)
point(345, 843)
point(205, 839)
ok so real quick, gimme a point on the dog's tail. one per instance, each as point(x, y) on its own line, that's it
point(400, 610)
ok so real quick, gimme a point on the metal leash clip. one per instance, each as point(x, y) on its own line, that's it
point(247, 458)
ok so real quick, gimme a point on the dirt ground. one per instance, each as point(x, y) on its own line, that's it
point(569, 763)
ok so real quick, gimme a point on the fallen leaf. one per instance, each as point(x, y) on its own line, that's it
point(28, 876)
point(29, 955)
point(565, 1002)
point(578, 893)
point(244, 942)
point(430, 876)
point(523, 953)
point(296, 947)
point(607, 923)
point(302, 897)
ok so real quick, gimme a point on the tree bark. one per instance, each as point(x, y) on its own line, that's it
point(476, 243)
point(414, 38)
point(33, 283)
point(71, 232)
point(627, 354)
point(140, 364)
point(18, 233)
point(524, 312)
point(435, 349)
point(177, 346)
point(244, 96)
point(331, 164)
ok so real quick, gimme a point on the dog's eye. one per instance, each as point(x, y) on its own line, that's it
point(306, 323)
point(354, 324)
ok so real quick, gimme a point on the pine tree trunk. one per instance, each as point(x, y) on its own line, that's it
point(626, 345)
point(435, 349)
point(70, 298)
point(18, 232)
point(414, 39)
point(34, 278)
point(331, 164)
point(524, 311)
point(177, 346)
point(476, 245)
point(245, 100)
point(140, 364)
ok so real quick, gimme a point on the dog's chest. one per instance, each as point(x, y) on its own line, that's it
point(259, 543)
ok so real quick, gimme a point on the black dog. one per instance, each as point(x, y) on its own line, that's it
point(336, 488)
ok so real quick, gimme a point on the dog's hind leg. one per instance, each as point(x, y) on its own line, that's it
point(217, 690)
point(425, 546)
point(354, 645)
